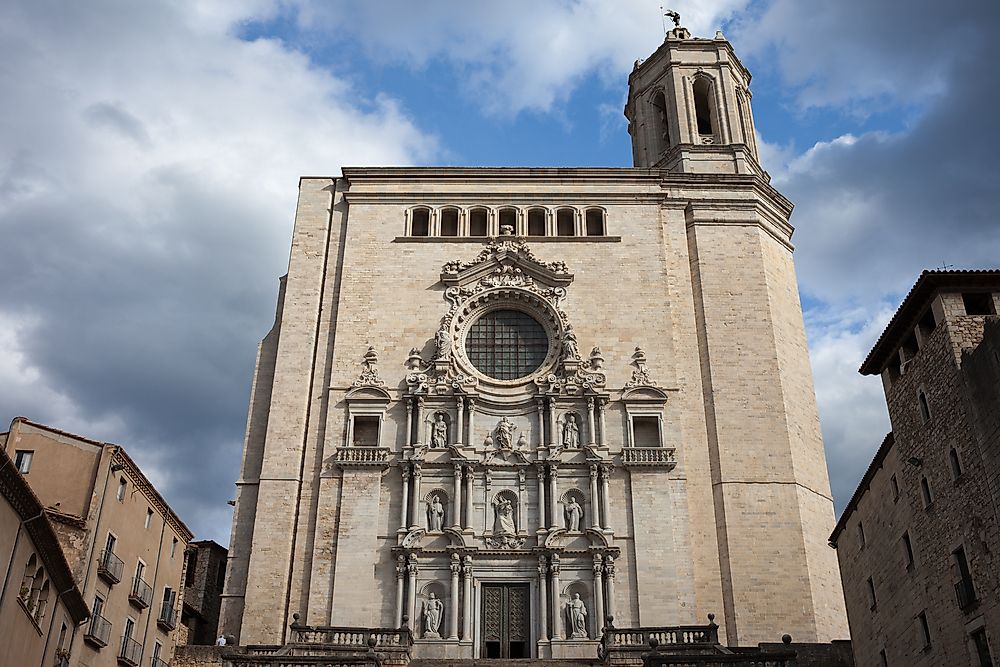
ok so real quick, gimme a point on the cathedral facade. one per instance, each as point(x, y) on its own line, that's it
point(505, 405)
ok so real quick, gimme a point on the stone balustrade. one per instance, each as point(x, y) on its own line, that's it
point(660, 457)
point(362, 456)
point(357, 638)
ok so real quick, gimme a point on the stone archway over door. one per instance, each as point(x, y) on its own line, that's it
point(506, 619)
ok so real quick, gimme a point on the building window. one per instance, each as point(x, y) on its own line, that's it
point(110, 544)
point(861, 534)
point(646, 432)
point(894, 485)
point(956, 465)
point(704, 100)
point(871, 593)
point(22, 459)
point(924, 630)
point(982, 646)
point(979, 303)
point(964, 589)
point(565, 222)
point(420, 222)
point(661, 124)
point(506, 344)
point(157, 650)
point(173, 547)
point(365, 431)
point(925, 410)
point(595, 222)
point(478, 222)
point(882, 659)
point(149, 518)
point(192, 563)
point(122, 486)
point(449, 222)
point(508, 218)
point(925, 492)
point(908, 550)
point(536, 222)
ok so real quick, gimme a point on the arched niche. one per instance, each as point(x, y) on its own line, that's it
point(502, 513)
point(570, 429)
point(433, 615)
point(583, 510)
point(438, 436)
point(431, 509)
point(569, 603)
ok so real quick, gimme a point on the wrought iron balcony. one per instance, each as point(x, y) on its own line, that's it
point(167, 619)
point(130, 652)
point(141, 595)
point(966, 594)
point(109, 567)
point(98, 631)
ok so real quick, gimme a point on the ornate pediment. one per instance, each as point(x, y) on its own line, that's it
point(506, 261)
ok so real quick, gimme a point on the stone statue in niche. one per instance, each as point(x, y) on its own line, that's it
point(439, 433)
point(433, 611)
point(571, 432)
point(573, 513)
point(435, 513)
point(442, 343)
point(504, 522)
point(569, 350)
point(505, 433)
point(577, 611)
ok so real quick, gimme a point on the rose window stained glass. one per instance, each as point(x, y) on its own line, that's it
point(506, 344)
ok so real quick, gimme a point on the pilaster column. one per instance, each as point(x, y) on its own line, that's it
point(472, 422)
point(557, 632)
point(460, 431)
point(553, 434)
point(468, 496)
point(591, 435)
point(605, 505)
point(409, 422)
point(553, 495)
point(415, 521)
point(595, 518)
point(540, 404)
point(541, 496)
point(411, 593)
point(400, 574)
point(467, 599)
point(609, 573)
point(456, 567)
point(405, 514)
point(456, 501)
point(420, 416)
point(598, 595)
point(602, 438)
point(543, 599)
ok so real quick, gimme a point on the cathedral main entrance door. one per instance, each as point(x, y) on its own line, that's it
point(506, 621)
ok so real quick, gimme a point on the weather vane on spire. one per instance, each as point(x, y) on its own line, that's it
point(673, 16)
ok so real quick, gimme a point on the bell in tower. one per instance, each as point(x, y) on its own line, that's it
point(689, 107)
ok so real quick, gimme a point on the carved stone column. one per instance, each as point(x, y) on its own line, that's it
point(521, 499)
point(420, 416)
point(602, 438)
point(598, 595)
point(556, 611)
point(411, 593)
point(541, 496)
point(605, 504)
point(400, 574)
point(609, 573)
point(409, 422)
point(468, 496)
point(405, 514)
point(540, 403)
point(543, 599)
point(460, 430)
point(467, 599)
point(456, 501)
point(591, 435)
point(553, 426)
point(416, 508)
point(456, 567)
point(595, 513)
point(553, 496)
point(472, 423)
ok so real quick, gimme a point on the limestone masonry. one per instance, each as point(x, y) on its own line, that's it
point(503, 405)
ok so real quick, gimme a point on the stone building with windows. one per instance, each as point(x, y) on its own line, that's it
point(918, 541)
point(504, 405)
point(204, 575)
point(124, 544)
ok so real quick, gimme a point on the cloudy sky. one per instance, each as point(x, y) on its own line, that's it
point(149, 157)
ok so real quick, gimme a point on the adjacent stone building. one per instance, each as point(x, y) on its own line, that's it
point(918, 541)
point(40, 604)
point(204, 575)
point(503, 405)
point(124, 544)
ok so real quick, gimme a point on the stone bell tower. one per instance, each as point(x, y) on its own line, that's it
point(689, 108)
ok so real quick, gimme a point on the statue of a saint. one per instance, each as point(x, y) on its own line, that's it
point(442, 341)
point(433, 611)
point(571, 432)
point(439, 433)
point(573, 514)
point(504, 523)
point(577, 612)
point(569, 350)
point(505, 431)
point(435, 513)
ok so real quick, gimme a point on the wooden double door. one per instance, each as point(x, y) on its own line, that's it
point(506, 621)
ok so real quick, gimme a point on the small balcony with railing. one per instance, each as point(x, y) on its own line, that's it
point(167, 620)
point(130, 652)
point(109, 567)
point(98, 631)
point(141, 594)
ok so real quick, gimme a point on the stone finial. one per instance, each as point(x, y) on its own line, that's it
point(295, 620)
point(414, 361)
point(596, 359)
point(640, 376)
point(369, 374)
point(786, 638)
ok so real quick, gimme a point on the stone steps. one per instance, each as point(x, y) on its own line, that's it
point(533, 662)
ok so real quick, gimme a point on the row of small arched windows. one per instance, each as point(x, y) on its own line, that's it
point(482, 221)
point(34, 593)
